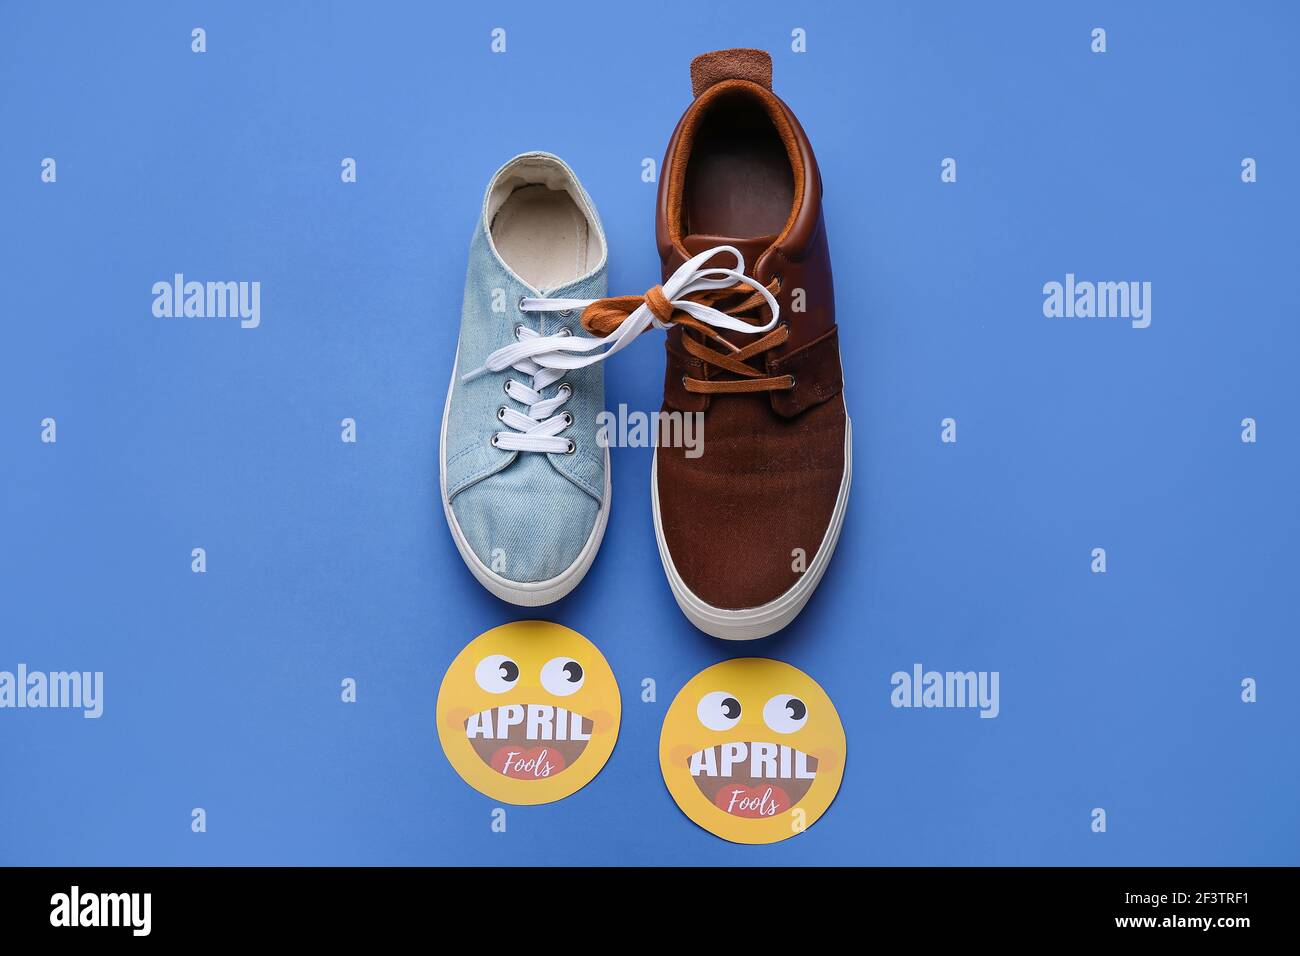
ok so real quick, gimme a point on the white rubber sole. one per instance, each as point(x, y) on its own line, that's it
point(522, 593)
point(749, 624)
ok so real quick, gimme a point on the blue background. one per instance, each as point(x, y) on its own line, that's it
point(328, 560)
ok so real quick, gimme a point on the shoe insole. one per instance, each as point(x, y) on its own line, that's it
point(541, 234)
point(739, 183)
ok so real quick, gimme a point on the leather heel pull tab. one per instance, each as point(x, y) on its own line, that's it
point(710, 68)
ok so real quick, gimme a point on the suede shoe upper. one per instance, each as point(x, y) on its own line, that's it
point(740, 171)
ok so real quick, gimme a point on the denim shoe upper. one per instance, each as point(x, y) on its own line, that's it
point(525, 514)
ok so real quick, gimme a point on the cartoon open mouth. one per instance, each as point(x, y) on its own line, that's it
point(528, 741)
point(752, 778)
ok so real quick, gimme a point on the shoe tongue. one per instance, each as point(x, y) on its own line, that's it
point(751, 249)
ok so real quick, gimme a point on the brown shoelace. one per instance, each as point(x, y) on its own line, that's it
point(603, 316)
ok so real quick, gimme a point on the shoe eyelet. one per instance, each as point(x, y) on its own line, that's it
point(566, 312)
point(793, 381)
point(564, 330)
point(518, 330)
point(573, 446)
point(683, 381)
point(493, 441)
point(501, 413)
point(779, 282)
point(568, 419)
point(521, 303)
point(506, 385)
point(566, 388)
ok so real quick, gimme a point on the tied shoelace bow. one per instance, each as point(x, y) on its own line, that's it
point(690, 297)
point(696, 306)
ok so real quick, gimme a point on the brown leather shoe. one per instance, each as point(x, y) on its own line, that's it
point(747, 529)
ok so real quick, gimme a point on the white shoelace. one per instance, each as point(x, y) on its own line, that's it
point(547, 357)
point(540, 429)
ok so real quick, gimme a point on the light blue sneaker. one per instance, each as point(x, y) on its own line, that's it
point(525, 483)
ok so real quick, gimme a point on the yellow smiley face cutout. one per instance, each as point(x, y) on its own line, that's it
point(752, 750)
point(528, 712)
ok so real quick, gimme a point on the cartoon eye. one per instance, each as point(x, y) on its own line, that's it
point(785, 713)
point(562, 676)
point(718, 710)
point(496, 673)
